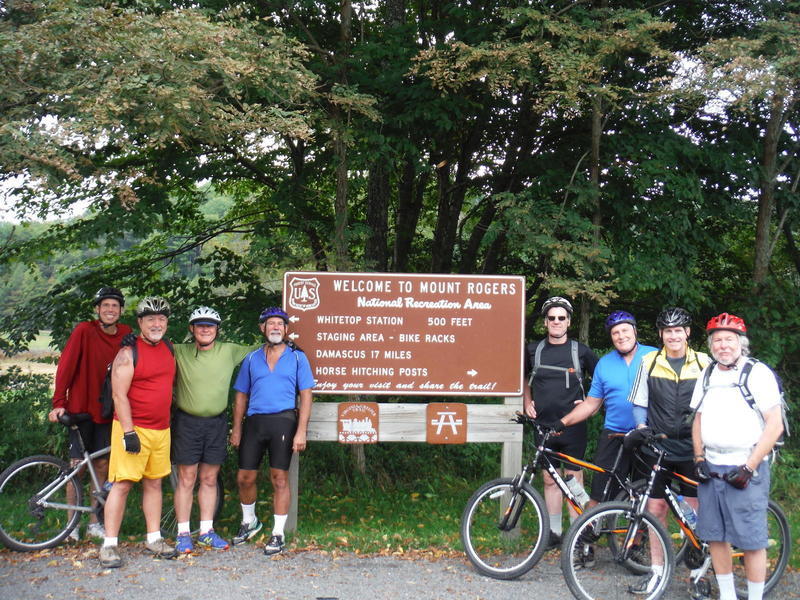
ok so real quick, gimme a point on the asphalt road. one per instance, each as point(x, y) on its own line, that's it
point(244, 573)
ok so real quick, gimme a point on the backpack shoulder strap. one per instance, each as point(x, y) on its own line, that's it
point(537, 357)
point(576, 362)
point(653, 364)
point(744, 376)
point(134, 354)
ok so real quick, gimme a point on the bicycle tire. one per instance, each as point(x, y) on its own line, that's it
point(605, 574)
point(680, 541)
point(504, 554)
point(169, 523)
point(26, 526)
point(778, 552)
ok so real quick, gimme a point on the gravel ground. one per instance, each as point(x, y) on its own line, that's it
point(244, 573)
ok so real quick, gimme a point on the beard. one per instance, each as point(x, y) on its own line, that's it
point(274, 337)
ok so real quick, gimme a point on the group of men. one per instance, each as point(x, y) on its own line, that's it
point(148, 434)
point(718, 431)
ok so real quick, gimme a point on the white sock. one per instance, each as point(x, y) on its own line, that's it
point(727, 589)
point(755, 590)
point(555, 524)
point(153, 536)
point(280, 523)
point(110, 541)
point(183, 528)
point(248, 513)
point(206, 526)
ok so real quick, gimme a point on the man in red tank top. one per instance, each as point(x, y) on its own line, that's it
point(140, 435)
point(79, 379)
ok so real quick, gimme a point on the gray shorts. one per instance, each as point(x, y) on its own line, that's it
point(738, 517)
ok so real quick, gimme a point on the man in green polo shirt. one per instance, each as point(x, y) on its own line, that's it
point(200, 425)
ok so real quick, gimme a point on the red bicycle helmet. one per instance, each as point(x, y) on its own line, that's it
point(726, 322)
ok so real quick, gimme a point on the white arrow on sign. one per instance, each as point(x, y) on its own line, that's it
point(472, 372)
point(294, 336)
point(294, 319)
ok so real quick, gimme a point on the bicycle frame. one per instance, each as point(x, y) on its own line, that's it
point(73, 472)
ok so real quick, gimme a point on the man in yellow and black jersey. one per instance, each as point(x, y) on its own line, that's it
point(661, 395)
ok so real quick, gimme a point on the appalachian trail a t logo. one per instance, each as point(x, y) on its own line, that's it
point(304, 293)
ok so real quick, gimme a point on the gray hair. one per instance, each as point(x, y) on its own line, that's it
point(744, 341)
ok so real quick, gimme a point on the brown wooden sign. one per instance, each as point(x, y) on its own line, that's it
point(409, 334)
point(446, 423)
point(358, 422)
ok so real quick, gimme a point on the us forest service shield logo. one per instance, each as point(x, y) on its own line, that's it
point(446, 423)
point(304, 293)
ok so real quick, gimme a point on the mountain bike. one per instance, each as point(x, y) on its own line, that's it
point(505, 527)
point(34, 510)
point(626, 539)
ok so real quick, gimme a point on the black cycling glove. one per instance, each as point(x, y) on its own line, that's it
point(131, 443)
point(701, 471)
point(739, 477)
point(557, 425)
point(635, 437)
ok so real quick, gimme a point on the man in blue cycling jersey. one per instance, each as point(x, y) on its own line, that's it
point(267, 387)
point(611, 384)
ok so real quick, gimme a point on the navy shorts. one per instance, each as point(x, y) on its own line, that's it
point(273, 433)
point(96, 436)
point(738, 517)
point(199, 439)
point(607, 448)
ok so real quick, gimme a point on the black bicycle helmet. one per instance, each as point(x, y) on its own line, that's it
point(673, 317)
point(556, 301)
point(152, 305)
point(108, 292)
point(273, 311)
point(617, 318)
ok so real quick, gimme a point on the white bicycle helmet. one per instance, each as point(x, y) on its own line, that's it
point(204, 315)
point(556, 301)
point(152, 305)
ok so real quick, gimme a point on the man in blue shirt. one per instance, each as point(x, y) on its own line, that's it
point(269, 382)
point(611, 384)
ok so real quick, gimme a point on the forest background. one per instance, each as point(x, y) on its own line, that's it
point(627, 155)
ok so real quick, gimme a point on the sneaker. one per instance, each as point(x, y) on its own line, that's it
point(109, 557)
point(96, 530)
point(247, 531)
point(211, 540)
point(183, 543)
point(555, 541)
point(645, 585)
point(75, 535)
point(161, 548)
point(275, 545)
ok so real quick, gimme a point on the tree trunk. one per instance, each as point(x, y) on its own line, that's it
point(409, 205)
point(766, 197)
point(376, 251)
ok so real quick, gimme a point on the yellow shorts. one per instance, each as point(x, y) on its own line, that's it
point(152, 462)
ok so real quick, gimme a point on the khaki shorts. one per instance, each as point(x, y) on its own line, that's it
point(152, 462)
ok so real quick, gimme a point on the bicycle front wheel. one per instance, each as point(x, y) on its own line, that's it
point(594, 567)
point(779, 549)
point(26, 523)
point(502, 528)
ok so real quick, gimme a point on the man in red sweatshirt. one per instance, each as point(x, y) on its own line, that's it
point(91, 346)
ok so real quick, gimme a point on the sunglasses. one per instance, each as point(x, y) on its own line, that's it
point(559, 317)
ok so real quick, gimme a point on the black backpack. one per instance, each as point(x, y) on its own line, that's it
point(106, 398)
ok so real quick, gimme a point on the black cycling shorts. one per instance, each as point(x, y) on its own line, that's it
point(96, 436)
point(684, 467)
point(199, 439)
point(274, 433)
point(571, 441)
point(605, 456)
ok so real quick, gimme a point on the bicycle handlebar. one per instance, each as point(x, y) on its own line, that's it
point(70, 419)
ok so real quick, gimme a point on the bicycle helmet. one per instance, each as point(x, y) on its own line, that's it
point(618, 317)
point(203, 315)
point(152, 305)
point(556, 301)
point(727, 322)
point(273, 311)
point(109, 292)
point(673, 317)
